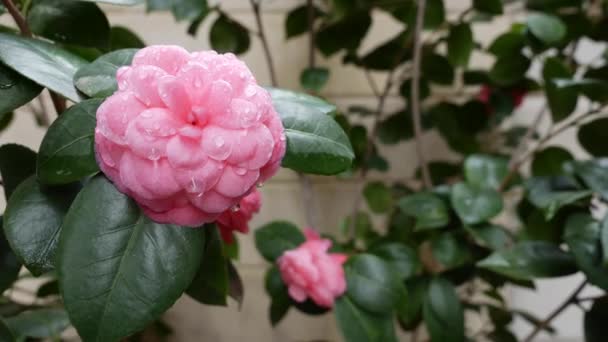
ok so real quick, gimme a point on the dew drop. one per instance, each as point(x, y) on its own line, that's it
point(241, 171)
point(282, 137)
point(219, 141)
point(193, 187)
point(235, 208)
point(154, 154)
point(250, 90)
point(146, 114)
point(259, 185)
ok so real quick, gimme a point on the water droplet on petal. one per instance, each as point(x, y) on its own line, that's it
point(193, 187)
point(251, 90)
point(282, 137)
point(241, 171)
point(260, 184)
point(235, 208)
point(154, 154)
point(219, 141)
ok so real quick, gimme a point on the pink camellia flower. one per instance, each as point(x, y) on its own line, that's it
point(238, 220)
point(309, 271)
point(187, 135)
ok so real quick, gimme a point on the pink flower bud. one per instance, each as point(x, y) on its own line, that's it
point(238, 219)
point(187, 135)
point(310, 272)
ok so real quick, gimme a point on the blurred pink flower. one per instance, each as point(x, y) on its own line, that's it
point(238, 220)
point(309, 271)
point(187, 135)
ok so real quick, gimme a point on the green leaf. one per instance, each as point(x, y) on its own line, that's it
point(98, 79)
point(123, 38)
point(547, 28)
point(347, 33)
point(551, 161)
point(15, 90)
point(41, 62)
point(16, 164)
point(277, 237)
point(493, 7)
point(443, 313)
point(594, 174)
point(561, 100)
point(315, 141)
point(460, 44)
point(402, 258)
point(410, 315)
point(429, 210)
point(48, 289)
point(210, 285)
point(67, 152)
point(119, 2)
point(595, 320)
point(530, 259)
point(372, 284)
point(474, 205)
point(358, 325)
point(189, 9)
point(437, 69)
point(314, 79)
point(279, 298)
point(450, 250)
point(5, 120)
point(550, 195)
point(236, 290)
point(121, 260)
point(6, 335)
point(590, 136)
point(395, 128)
point(485, 171)
point(583, 237)
point(71, 22)
point(297, 21)
point(491, 236)
point(39, 324)
point(9, 264)
point(378, 196)
point(509, 69)
point(227, 35)
point(32, 222)
point(509, 43)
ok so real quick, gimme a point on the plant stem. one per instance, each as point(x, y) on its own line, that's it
point(415, 105)
point(547, 321)
point(17, 17)
point(255, 5)
point(311, 33)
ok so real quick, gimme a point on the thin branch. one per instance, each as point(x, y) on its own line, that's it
point(311, 33)
point(372, 83)
point(415, 106)
point(255, 5)
point(17, 17)
point(547, 321)
point(527, 137)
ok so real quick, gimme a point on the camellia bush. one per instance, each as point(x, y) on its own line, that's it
point(153, 162)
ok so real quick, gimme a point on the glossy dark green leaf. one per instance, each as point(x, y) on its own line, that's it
point(509, 43)
point(48, 289)
point(67, 151)
point(485, 171)
point(280, 302)
point(378, 197)
point(429, 210)
point(509, 69)
point(493, 7)
point(32, 222)
point(16, 164)
point(123, 271)
point(9, 264)
point(123, 38)
point(347, 33)
point(315, 141)
point(549, 195)
point(395, 128)
point(236, 290)
point(362, 225)
point(443, 313)
point(70, 22)
point(6, 335)
point(15, 90)
point(491, 236)
point(410, 315)
point(389, 54)
point(372, 284)
point(41, 62)
point(450, 250)
point(594, 174)
point(358, 325)
point(227, 35)
point(590, 136)
point(595, 321)
point(402, 258)
point(475, 205)
point(297, 21)
point(120, 2)
point(547, 28)
point(551, 161)
point(210, 285)
point(436, 68)
point(460, 44)
point(98, 79)
point(276, 237)
point(530, 259)
point(189, 9)
point(314, 79)
point(561, 100)
point(40, 324)
point(5, 120)
point(583, 237)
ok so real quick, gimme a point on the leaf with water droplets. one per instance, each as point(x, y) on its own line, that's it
point(15, 90)
point(67, 150)
point(98, 79)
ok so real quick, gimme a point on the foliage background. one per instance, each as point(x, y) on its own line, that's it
point(347, 86)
